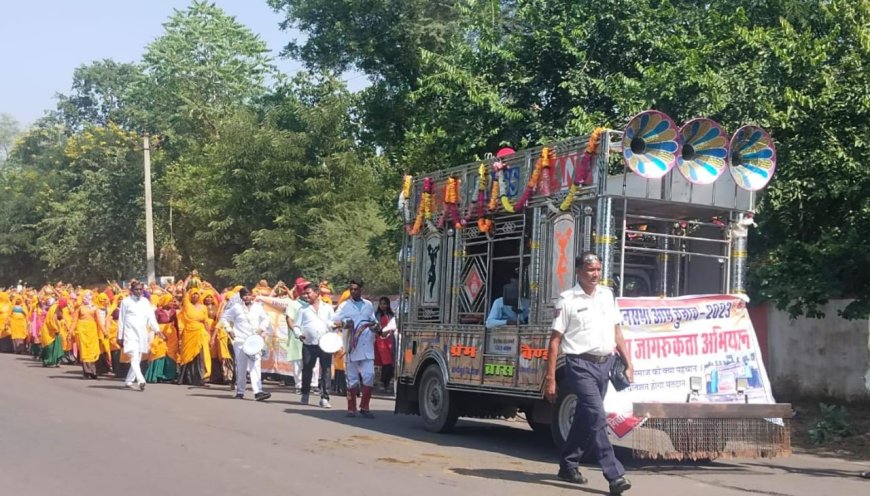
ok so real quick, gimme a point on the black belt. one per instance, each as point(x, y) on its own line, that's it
point(589, 357)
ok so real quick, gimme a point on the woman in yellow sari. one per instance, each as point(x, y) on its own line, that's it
point(51, 335)
point(104, 364)
point(164, 347)
point(194, 357)
point(18, 325)
point(67, 331)
point(5, 318)
point(119, 366)
point(87, 328)
point(221, 359)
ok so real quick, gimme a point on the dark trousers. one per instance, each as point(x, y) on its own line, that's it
point(386, 374)
point(589, 430)
point(310, 354)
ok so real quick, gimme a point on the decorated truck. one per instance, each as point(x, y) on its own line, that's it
point(495, 239)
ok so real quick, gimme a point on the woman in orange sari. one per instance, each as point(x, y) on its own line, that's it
point(87, 328)
point(194, 357)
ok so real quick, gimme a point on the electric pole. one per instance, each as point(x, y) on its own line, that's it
point(149, 221)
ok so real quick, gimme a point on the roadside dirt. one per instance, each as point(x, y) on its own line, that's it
point(855, 447)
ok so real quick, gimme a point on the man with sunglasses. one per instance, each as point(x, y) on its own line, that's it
point(135, 317)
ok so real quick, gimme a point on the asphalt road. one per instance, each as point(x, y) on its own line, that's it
point(62, 435)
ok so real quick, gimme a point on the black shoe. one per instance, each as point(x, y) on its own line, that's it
point(572, 475)
point(240, 396)
point(619, 486)
point(262, 396)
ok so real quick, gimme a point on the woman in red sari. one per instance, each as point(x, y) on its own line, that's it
point(385, 343)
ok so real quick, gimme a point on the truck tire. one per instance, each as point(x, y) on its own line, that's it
point(563, 417)
point(438, 412)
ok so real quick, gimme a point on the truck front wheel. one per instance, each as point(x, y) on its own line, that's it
point(438, 412)
point(563, 417)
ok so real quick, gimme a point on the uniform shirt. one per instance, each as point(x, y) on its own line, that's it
point(587, 322)
point(246, 320)
point(312, 324)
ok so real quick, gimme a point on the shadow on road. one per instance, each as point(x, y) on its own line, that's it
point(468, 433)
point(817, 472)
point(527, 477)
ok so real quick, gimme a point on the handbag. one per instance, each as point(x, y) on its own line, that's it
point(617, 374)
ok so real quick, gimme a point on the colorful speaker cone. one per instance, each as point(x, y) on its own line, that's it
point(650, 144)
point(753, 158)
point(704, 155)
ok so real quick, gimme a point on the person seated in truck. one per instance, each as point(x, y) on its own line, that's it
point(504, 308)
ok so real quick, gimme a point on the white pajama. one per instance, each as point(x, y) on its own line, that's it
point(135, 372)
point(244, 366)
point(357, 367)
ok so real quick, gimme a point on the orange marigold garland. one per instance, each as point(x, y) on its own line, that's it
point(542, 170)
point(451, 203)
point(405, 199)
point(477, 205)
point(583, 169)
point(424, 209)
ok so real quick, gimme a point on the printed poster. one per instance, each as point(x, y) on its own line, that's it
point(671, 340)
point(278, 352)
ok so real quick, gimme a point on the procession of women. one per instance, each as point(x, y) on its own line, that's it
point(193, 344)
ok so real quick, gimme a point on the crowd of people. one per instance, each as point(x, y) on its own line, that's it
point(190, 333)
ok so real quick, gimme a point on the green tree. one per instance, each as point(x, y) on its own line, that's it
point(9, 130)
point(100, 94)
point(203, 66)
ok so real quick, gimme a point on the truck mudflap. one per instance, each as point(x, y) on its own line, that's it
point(677, 431)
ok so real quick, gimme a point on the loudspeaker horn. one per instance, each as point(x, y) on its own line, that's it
point(753, 158)
point(704, 155)
point(650, 144)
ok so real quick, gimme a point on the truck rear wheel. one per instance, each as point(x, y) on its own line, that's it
point(563, 417)
point(438, 412)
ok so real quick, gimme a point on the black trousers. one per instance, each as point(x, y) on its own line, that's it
point(310, 354)
point(588, 433)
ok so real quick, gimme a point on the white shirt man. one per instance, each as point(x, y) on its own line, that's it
point(312, 322)
point(359, 344)
point(135, 318)
point(247, 318)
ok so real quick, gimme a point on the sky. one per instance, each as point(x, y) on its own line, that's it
point(43, 41)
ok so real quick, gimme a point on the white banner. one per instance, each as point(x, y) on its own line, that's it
point(672, 340)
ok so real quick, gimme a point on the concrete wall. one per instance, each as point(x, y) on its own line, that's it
point(829, 356)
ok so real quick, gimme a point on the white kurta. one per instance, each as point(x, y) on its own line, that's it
point(365, 346)
point(135, 317)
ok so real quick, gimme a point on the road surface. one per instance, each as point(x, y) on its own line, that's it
point(62, 435)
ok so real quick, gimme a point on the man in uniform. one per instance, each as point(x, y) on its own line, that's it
point(587, 330)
